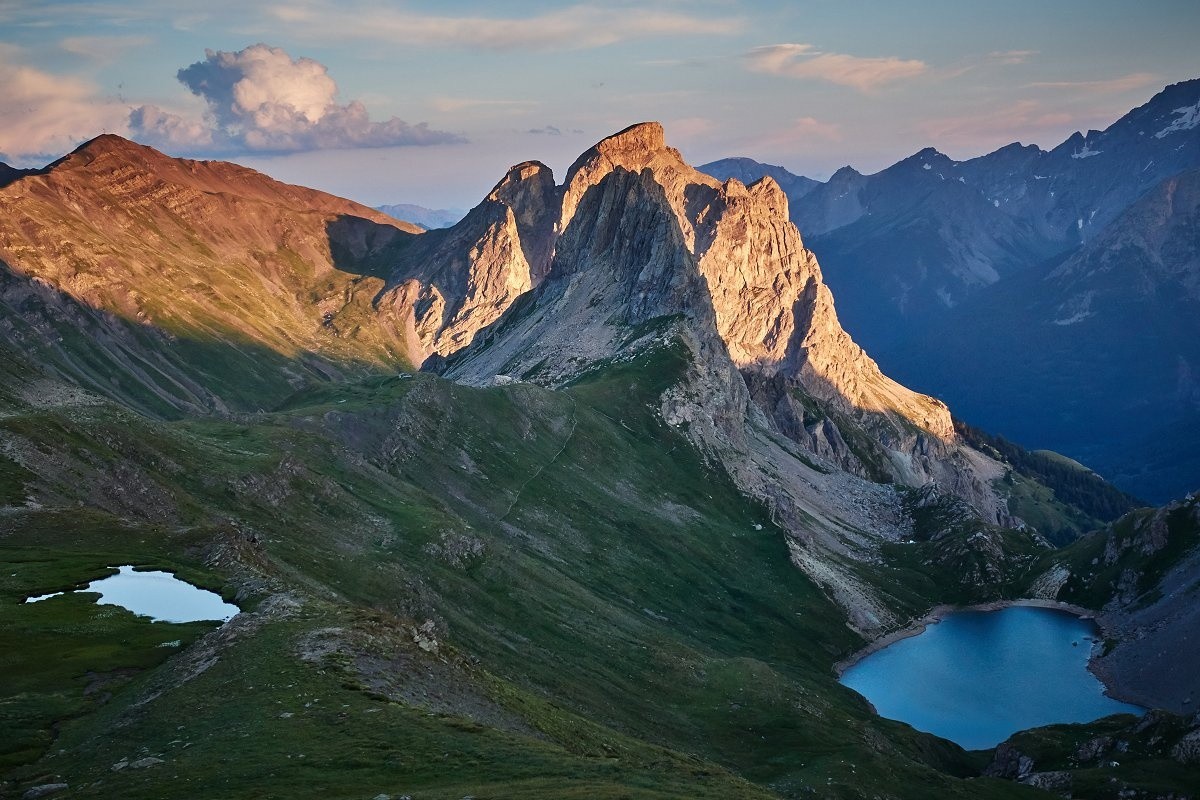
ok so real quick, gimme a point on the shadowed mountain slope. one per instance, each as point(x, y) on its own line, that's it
point(134, 246)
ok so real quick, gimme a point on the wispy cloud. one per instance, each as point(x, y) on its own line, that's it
point(804, 61)
point(1024, 120)
point(570, 28)
point(1011, 56)
point(448, 104)
point(43, 114)
point(810, 128)
point(799, 136)
point(1125, 83)
point(103, 49)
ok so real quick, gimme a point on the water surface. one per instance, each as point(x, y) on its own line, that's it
point(158, 595)
point(977, 677)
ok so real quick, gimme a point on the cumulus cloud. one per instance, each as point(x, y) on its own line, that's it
point(570, 28)
point(169, 131)
point(42, 114)
point(804, 61)
point(262, 99)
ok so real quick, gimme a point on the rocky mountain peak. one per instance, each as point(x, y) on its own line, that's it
point(122, 242)
point(639, 238)
point(634, 148)
point(844, 173)
point(108, 149)
point(111, 143)
point(8, 174)
point(638, 147)
point(632, 143)
point(748, 171)
point(519, 174)
point(769, 191)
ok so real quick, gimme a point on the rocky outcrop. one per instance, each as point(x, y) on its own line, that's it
point(1010, 763)
point(639, 235)
point(453, 283)
point(638, 251)
point(1143, 572)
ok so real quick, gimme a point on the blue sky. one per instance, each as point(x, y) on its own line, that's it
point(430, 102)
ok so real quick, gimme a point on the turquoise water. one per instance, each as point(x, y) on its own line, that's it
point(977, 677)
point(158, 595)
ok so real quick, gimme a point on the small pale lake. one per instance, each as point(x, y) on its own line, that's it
point(976, 677)
point(158, 595)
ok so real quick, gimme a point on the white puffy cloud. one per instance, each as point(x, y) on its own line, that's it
point(259, 99)
point(806, 62)
point(262, 99)
point(169, 131)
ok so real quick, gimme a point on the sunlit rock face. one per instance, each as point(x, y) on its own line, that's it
point(454, 282)
point(636, 235)
point(635, 255)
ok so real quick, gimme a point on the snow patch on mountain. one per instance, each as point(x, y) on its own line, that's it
point(1077, 309)
point(1186, 118)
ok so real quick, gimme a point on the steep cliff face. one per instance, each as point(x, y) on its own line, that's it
point(1142, 572)
point(643, 248)
point(1108, 340)
point(776, 314)
point(454, 282)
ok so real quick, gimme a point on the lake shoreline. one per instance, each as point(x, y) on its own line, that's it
point(938, 613)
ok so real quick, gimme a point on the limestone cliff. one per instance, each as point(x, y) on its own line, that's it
point(635, 234)
point(454, 282)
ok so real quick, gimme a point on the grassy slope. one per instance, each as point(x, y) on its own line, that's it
point(1096, 579)
point(1117, 757)
point(610, 622)
point(1058, 496)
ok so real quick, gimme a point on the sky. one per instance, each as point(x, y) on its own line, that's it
point(430, 102)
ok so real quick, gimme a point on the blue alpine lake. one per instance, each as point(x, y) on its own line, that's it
point(158, 595)
point(977, 677)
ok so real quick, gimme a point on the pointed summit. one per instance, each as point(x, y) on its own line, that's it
point(110, 143)
point(643, 137)
point(639, 235)
point(633, 148)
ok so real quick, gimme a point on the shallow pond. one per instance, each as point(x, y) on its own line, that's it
point(158, 595)
point(976, 677)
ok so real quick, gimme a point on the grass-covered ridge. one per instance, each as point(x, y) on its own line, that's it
point(1059, 496)
point(601, 616)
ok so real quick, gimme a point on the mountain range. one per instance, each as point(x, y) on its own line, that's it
point(584, 495)
point(427, 218)
point(933, 259)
